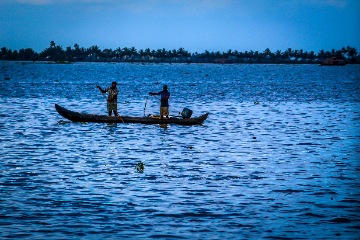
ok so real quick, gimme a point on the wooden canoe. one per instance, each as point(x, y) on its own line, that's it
point(83, 117)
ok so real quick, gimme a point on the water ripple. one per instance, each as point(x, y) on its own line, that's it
point(277, 158)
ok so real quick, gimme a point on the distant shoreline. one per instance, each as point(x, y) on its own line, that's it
point(24, 62)
point(55, 53)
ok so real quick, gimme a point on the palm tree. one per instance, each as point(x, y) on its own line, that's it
point(217, 54)
point(344, 50)
point(161, 53)
point(95, 50)
point(173, 53)
point(27, 54)
point(181, 52)
point(78, 53)
point(333, 52)
point(118, 53)
point(311, 55)
point(5, 54)
point(14, 55)
point(288, 53)
point(301, 53)
point(352, 53)
point(229, 52)
point(339, 54)
point(133, 51)
point(257, 56)
point(153, 53)
point(321, 54)
point(59, 54)
point(69, 53)
point(107, 53)
point(141, 55)
point(267, 53)
point(147, 52)
point(207, 53)
point(184, 53)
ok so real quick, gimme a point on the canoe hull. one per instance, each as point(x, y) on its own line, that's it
point(82, 117)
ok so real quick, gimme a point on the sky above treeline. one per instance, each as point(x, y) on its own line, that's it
point(195, 25)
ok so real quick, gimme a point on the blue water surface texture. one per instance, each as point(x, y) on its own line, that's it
point(277, 158)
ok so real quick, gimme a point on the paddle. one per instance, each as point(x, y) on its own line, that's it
point(145, 104)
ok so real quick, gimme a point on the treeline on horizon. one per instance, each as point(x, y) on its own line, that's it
point(95, 54)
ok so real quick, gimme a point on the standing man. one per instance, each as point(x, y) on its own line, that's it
point(112, 98)
point(164, 99)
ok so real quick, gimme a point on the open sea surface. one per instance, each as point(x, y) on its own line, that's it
point(277, 158)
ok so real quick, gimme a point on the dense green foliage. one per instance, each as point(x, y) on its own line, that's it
point(95, 54)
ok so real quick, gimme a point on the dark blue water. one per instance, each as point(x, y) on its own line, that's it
point(287, 167)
